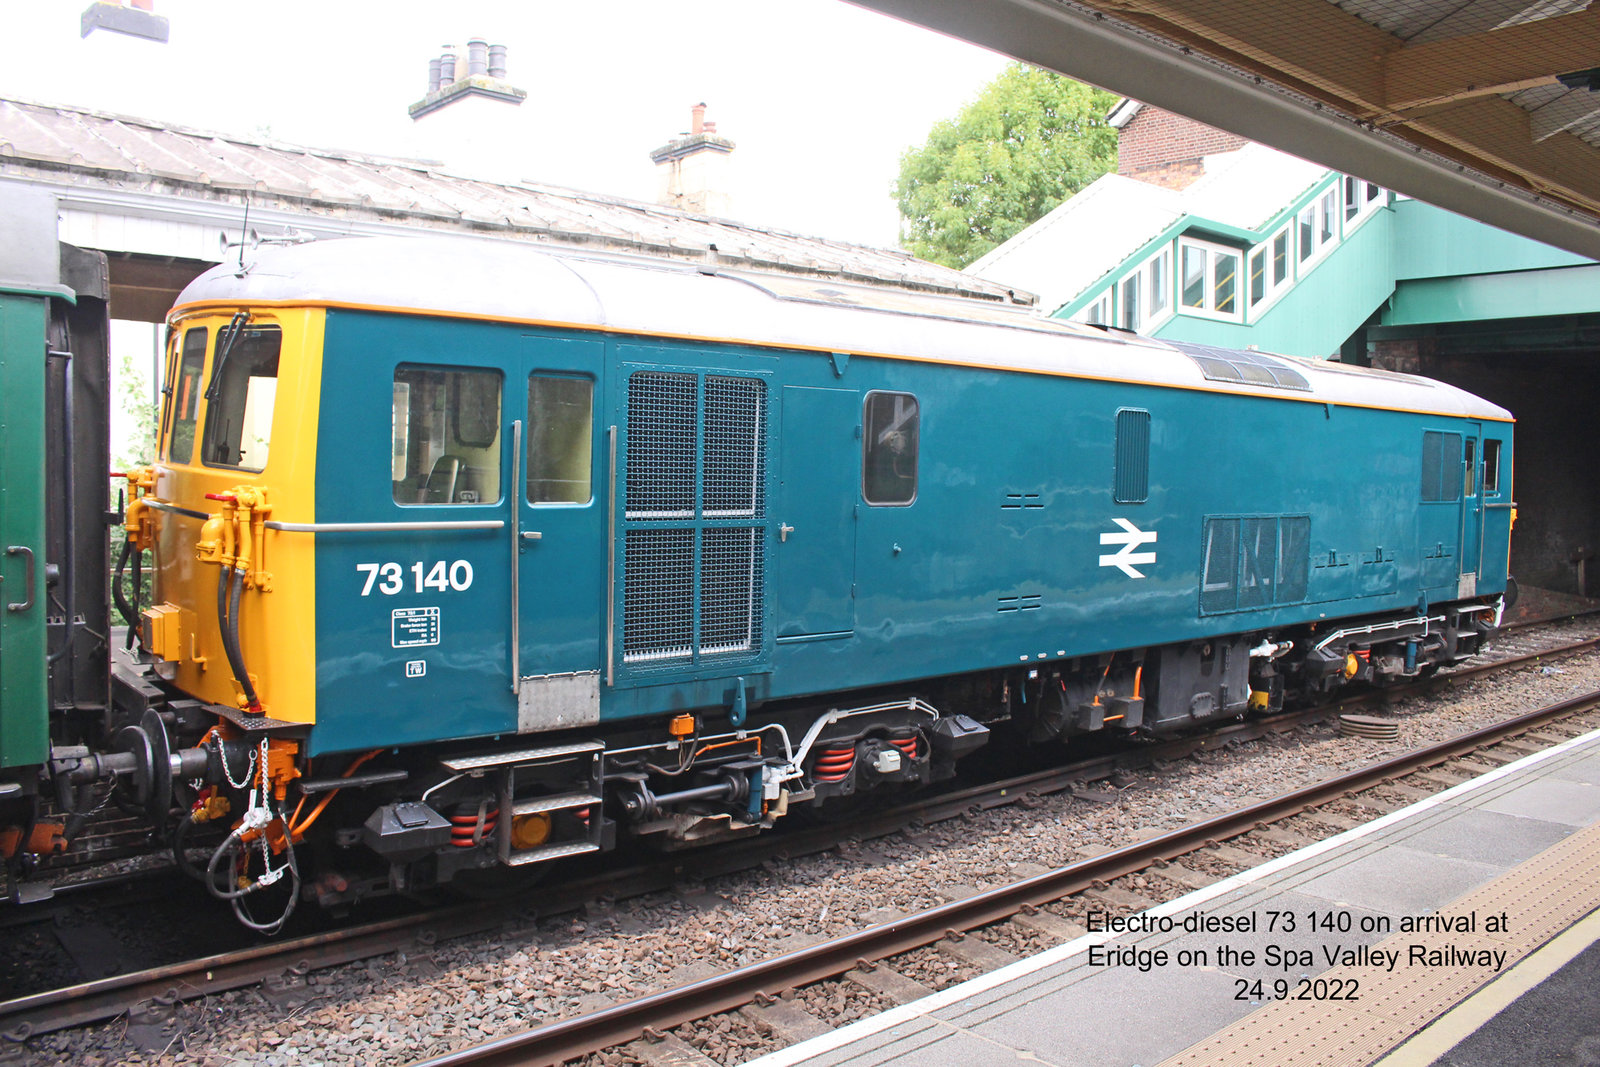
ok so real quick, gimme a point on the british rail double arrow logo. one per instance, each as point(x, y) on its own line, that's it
point(1125, 558)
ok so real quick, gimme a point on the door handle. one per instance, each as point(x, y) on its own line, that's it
point(532, 535)
point(27, 579)
point(784, 530)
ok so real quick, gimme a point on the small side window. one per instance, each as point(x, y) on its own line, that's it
point(560, 439)
point(1491, 466)
point(244, 389)
point(889, 449)
point(1470, 479)
point(1131, 480)
point(185, 397)
point(1441, 460)
point(445, 444)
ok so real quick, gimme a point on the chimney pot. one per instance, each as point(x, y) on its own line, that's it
point(447, 69)
point(697, 124)
point(477, 56)
point(497, 61)
point(434, 74)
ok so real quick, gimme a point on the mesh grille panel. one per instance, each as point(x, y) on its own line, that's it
point(661, 445)
point(730, 590)
point(658, 604)
point(735, 448)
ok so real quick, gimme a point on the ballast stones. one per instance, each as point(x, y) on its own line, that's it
point(1369, 726)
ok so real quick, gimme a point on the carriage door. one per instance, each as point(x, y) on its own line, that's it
point(692, 520)
point(1471, 513)
point(559, 553)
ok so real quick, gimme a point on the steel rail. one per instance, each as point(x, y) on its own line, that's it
point(110, 997)
point(571, 1038)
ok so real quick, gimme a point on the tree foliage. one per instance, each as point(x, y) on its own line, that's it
point(1030, 140)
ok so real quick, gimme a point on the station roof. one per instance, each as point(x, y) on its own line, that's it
point(1485, 107)
point(98, 152)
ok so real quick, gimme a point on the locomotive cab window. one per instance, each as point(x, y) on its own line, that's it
point(1491, 467)
point(889, 449)
point(240, 398)
point(184, 397)
point(445, 445)
point(560, 439)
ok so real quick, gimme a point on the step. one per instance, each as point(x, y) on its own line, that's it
point(546, 853)
point(563, 802)
point(520, 756)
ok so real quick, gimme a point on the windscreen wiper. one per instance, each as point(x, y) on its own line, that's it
point(230, 334)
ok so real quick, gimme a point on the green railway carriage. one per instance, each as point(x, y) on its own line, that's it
point(54, 678)
point(474, 556)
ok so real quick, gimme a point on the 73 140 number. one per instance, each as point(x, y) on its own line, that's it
point(390, 578)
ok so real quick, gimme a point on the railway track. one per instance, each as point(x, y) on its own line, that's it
point(148, 996)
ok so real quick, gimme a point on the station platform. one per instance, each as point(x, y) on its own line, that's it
point(1462, 930)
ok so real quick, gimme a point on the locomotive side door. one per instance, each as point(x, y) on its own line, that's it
point(559, 536)
point(819, 464)
point(1471, 513)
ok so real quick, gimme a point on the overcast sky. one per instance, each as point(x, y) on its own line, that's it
point(820, 97)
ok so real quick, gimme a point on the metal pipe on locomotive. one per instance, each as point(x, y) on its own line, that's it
point(472, 557)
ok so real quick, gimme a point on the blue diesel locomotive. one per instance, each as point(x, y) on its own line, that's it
point(474, 555)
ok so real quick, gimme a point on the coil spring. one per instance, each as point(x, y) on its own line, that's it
point(908, 746)
point(464, 827)
point(834, 764)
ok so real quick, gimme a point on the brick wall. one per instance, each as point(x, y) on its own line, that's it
point(1164, 149)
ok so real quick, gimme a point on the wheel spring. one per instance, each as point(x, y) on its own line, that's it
point(907, 745)
point(468, 829)
point(834, 764)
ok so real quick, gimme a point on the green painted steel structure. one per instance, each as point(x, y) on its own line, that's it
point(1389, 262)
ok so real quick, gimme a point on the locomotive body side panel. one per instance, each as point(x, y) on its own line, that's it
point(1015, 546)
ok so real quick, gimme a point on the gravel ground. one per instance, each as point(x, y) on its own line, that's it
point(397, 1010)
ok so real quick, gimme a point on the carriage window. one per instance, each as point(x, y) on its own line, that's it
point(1491, 466)
point(560, 439)
point(244, 384)
point(889, 452)
point(445, 445)
point(185, 397)
point(1471, 472)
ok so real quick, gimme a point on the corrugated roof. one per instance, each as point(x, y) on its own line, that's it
point(77, 146)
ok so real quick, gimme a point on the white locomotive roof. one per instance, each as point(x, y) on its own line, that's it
point(657, 298)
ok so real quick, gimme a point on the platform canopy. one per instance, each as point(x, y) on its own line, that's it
point(1485, 107)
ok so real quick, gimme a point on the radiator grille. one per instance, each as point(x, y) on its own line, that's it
point(735, 448)
point(658, 603)
point(730, 590)
point(661, 445)
point(694, 519)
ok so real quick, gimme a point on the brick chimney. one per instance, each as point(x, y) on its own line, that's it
point(1165, 149)
point(694, 168)
point(481, 73)
point(464, 120)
